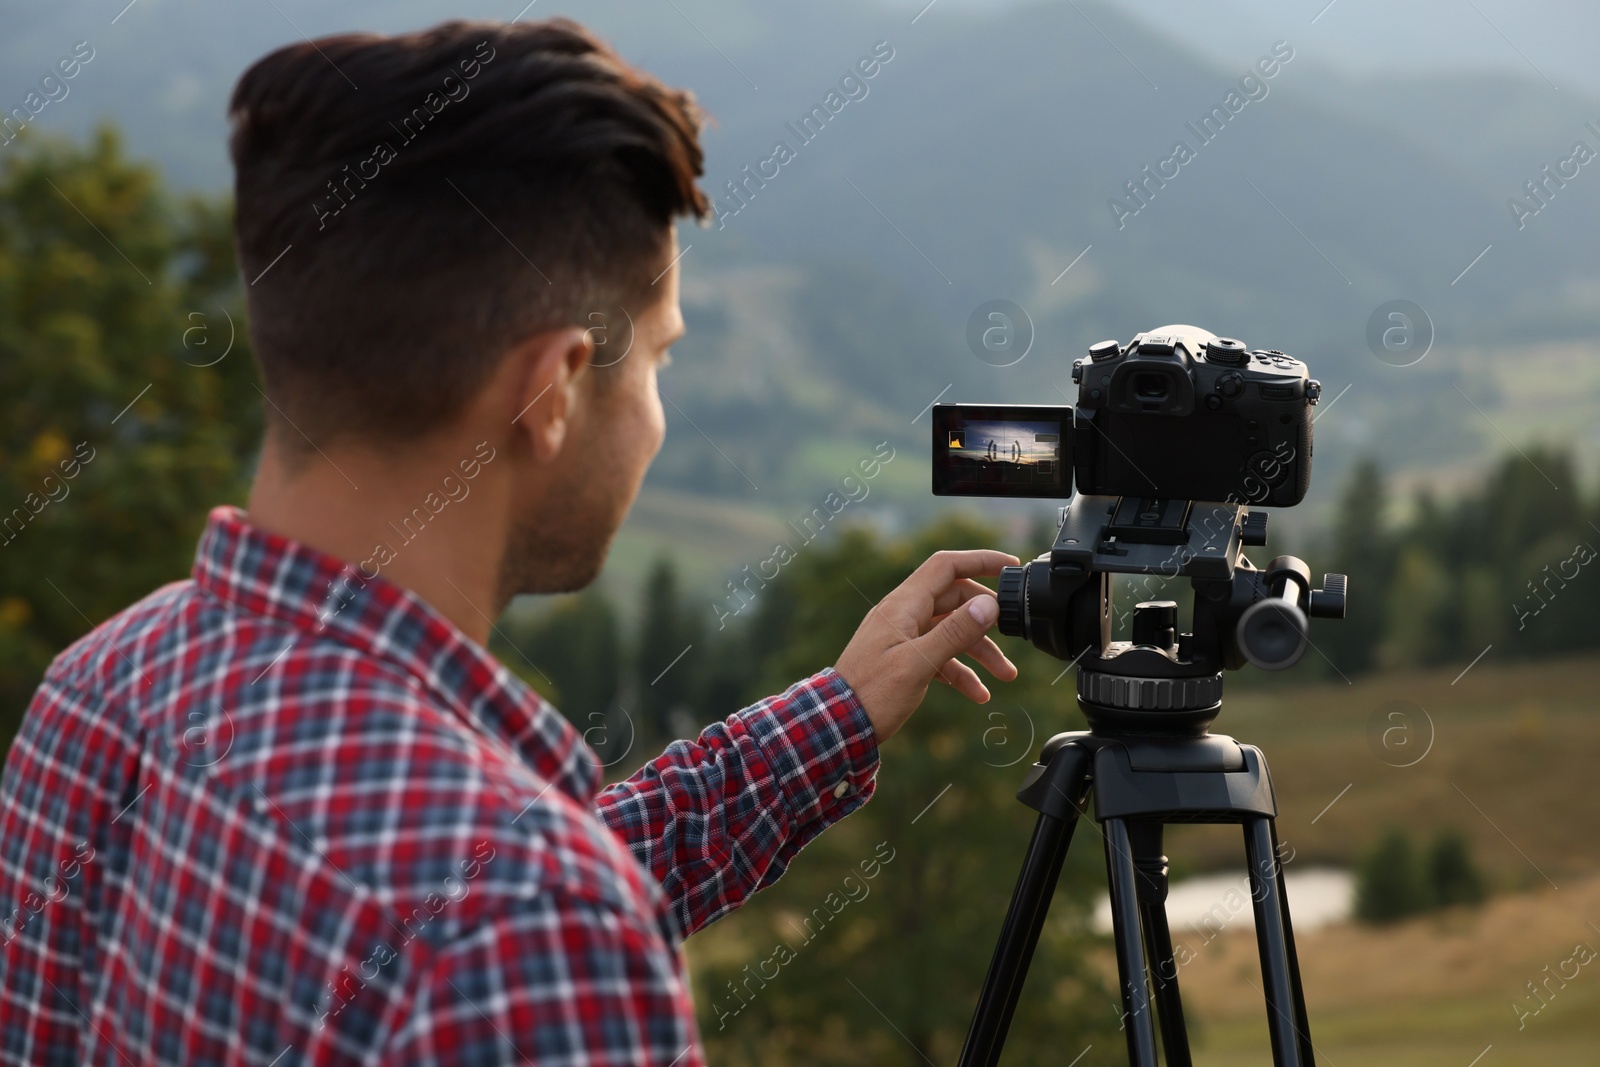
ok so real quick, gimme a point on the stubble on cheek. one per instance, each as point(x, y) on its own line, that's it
point(560, 544)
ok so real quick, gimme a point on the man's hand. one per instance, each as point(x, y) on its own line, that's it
point(914, 634)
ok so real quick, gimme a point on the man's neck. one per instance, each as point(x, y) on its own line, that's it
point(434, 524)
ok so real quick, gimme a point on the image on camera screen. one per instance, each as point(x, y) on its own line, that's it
point(978, 454)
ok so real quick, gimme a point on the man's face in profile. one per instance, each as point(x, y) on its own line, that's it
point(616, 430)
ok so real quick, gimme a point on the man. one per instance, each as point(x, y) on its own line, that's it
point(290, 811)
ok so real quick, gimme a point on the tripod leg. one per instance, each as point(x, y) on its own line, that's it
point(1130, 961)
point(1150, 865)
point(1164, 973)
point(1302, 1022)
point(1271, 941)
point(1030, 902)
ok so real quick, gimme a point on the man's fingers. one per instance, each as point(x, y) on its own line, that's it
point(943, 568)
point(964, 680)
point(963, 590)
point(959, 630)
point(988, 654)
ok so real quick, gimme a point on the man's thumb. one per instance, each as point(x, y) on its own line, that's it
point(961, 629)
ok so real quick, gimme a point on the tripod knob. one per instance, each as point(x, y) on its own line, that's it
point(1155, 623)
point(1272, 633)
point(1012, 594)
point(1329, 601)
point(1253, 531)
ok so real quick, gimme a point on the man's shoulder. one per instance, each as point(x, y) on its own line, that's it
point(102, 657)
point(184, 669)
point(350, 758)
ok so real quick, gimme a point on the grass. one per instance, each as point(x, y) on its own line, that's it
point(1503, 754)
point(1437, 990)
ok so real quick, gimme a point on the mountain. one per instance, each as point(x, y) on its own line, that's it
point(985, 156)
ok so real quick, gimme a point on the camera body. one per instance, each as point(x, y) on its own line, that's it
point(1176, 436)
point(1178, 413)
point(1181, 413)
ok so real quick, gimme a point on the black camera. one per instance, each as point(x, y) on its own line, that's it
point(1174, 441)
point(1177, 413)
point(1175, 438)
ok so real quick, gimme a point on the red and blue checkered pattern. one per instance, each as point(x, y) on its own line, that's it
point(276, 815)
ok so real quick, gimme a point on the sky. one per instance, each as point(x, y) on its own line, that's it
point(1552, 40)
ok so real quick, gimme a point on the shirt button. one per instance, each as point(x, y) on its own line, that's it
point(841, 789)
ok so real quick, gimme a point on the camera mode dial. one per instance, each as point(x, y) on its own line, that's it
point(1227, 352)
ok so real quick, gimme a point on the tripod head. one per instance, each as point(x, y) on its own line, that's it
point(1162, 681)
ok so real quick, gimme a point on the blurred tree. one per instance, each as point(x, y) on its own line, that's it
point(1527, 498)
point(669, 648)
point(1551, 596)
point(725, 675)
point(1363, 547)
point(1494, 567)
point(944, 837)
point(572, 654)
point(1389, 885)
point(1419, 602)
point(1452, 877)
point(127, 399)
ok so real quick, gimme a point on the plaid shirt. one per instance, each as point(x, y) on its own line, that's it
point(278, 815)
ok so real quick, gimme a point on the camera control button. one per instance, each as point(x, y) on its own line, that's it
point(1104, 350)
point(1230, 385)
point(1270, 467)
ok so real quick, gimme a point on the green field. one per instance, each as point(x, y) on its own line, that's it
point(1514, 750)
point(1434, 990)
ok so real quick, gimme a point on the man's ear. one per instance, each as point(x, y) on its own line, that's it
point(551, 363)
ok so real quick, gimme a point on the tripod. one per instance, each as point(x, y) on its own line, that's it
point(1141, 784)
point(1147, 758)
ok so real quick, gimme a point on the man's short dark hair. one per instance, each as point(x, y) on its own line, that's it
point(409, 207)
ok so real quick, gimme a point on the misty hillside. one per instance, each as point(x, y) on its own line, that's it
point(977, 163)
